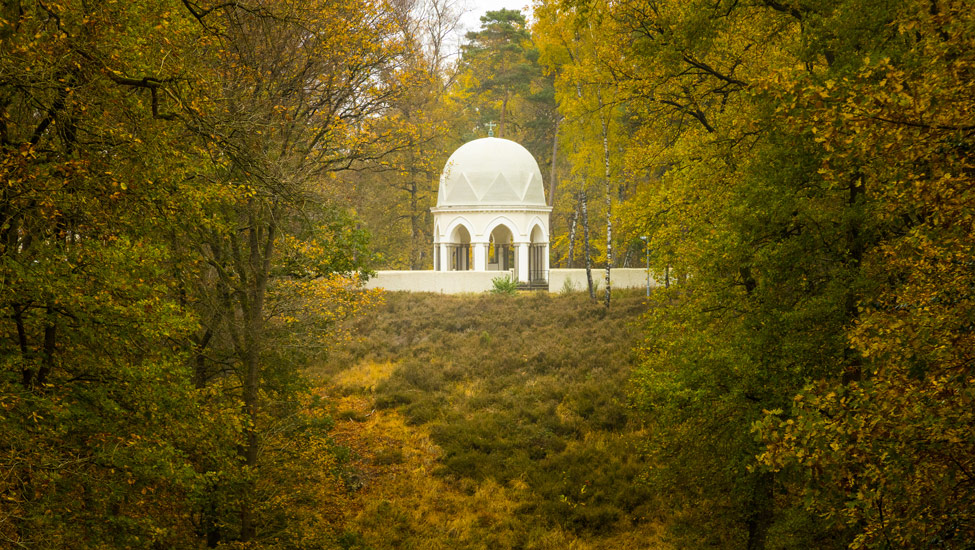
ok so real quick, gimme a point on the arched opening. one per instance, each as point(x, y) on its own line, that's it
point(501, 253)
point(459, 249)
point(537, 256)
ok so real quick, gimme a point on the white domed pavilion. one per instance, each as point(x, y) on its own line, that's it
point(491, 213)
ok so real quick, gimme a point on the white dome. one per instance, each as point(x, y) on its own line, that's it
point(491, 172)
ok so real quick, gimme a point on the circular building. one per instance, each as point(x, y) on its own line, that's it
point(491, 213)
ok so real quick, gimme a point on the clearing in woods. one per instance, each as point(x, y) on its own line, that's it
point(487, 421)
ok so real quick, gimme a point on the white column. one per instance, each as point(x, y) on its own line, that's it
point(522, 261)
point(444, 258)
point(546, 265)
point(480, 256)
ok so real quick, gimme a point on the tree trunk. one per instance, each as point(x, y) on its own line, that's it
point(854, 361)
point(760, 511)
point(200, 375)
point(26, 373)
point(261, 237)
point(414, 225)
point(552, 173)
point(572, 234)
point(609, 206)
point(252, 334)
point(504, 108)
point(585, 245)
point(47, 355)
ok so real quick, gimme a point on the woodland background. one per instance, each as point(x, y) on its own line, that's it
point(192, 192)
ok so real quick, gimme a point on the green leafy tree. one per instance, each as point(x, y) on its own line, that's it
point(499, 63)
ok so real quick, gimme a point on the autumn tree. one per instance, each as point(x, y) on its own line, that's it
point(164, 167)
point(99, 419)
point(797, 158)
point(394, 194)
point(291, 94)
point(888, 440)
point(591, 127)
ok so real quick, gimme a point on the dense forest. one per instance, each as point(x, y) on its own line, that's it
point(194, 190)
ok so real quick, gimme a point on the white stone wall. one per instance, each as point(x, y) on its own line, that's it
point(456, 282)
point(443, 282)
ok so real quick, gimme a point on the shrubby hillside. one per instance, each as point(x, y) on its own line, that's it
point(492, 422)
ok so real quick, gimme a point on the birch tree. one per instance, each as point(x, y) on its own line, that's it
point(587, 98)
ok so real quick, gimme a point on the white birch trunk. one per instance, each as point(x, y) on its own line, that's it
point(585, 246)
point(572, 235)
point(609, 199)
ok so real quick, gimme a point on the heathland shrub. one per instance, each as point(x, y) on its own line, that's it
point(523, 393)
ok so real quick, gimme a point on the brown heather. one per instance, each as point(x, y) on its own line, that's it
point(487, 421)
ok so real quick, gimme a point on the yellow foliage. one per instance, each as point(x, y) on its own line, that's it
point(320, 305)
